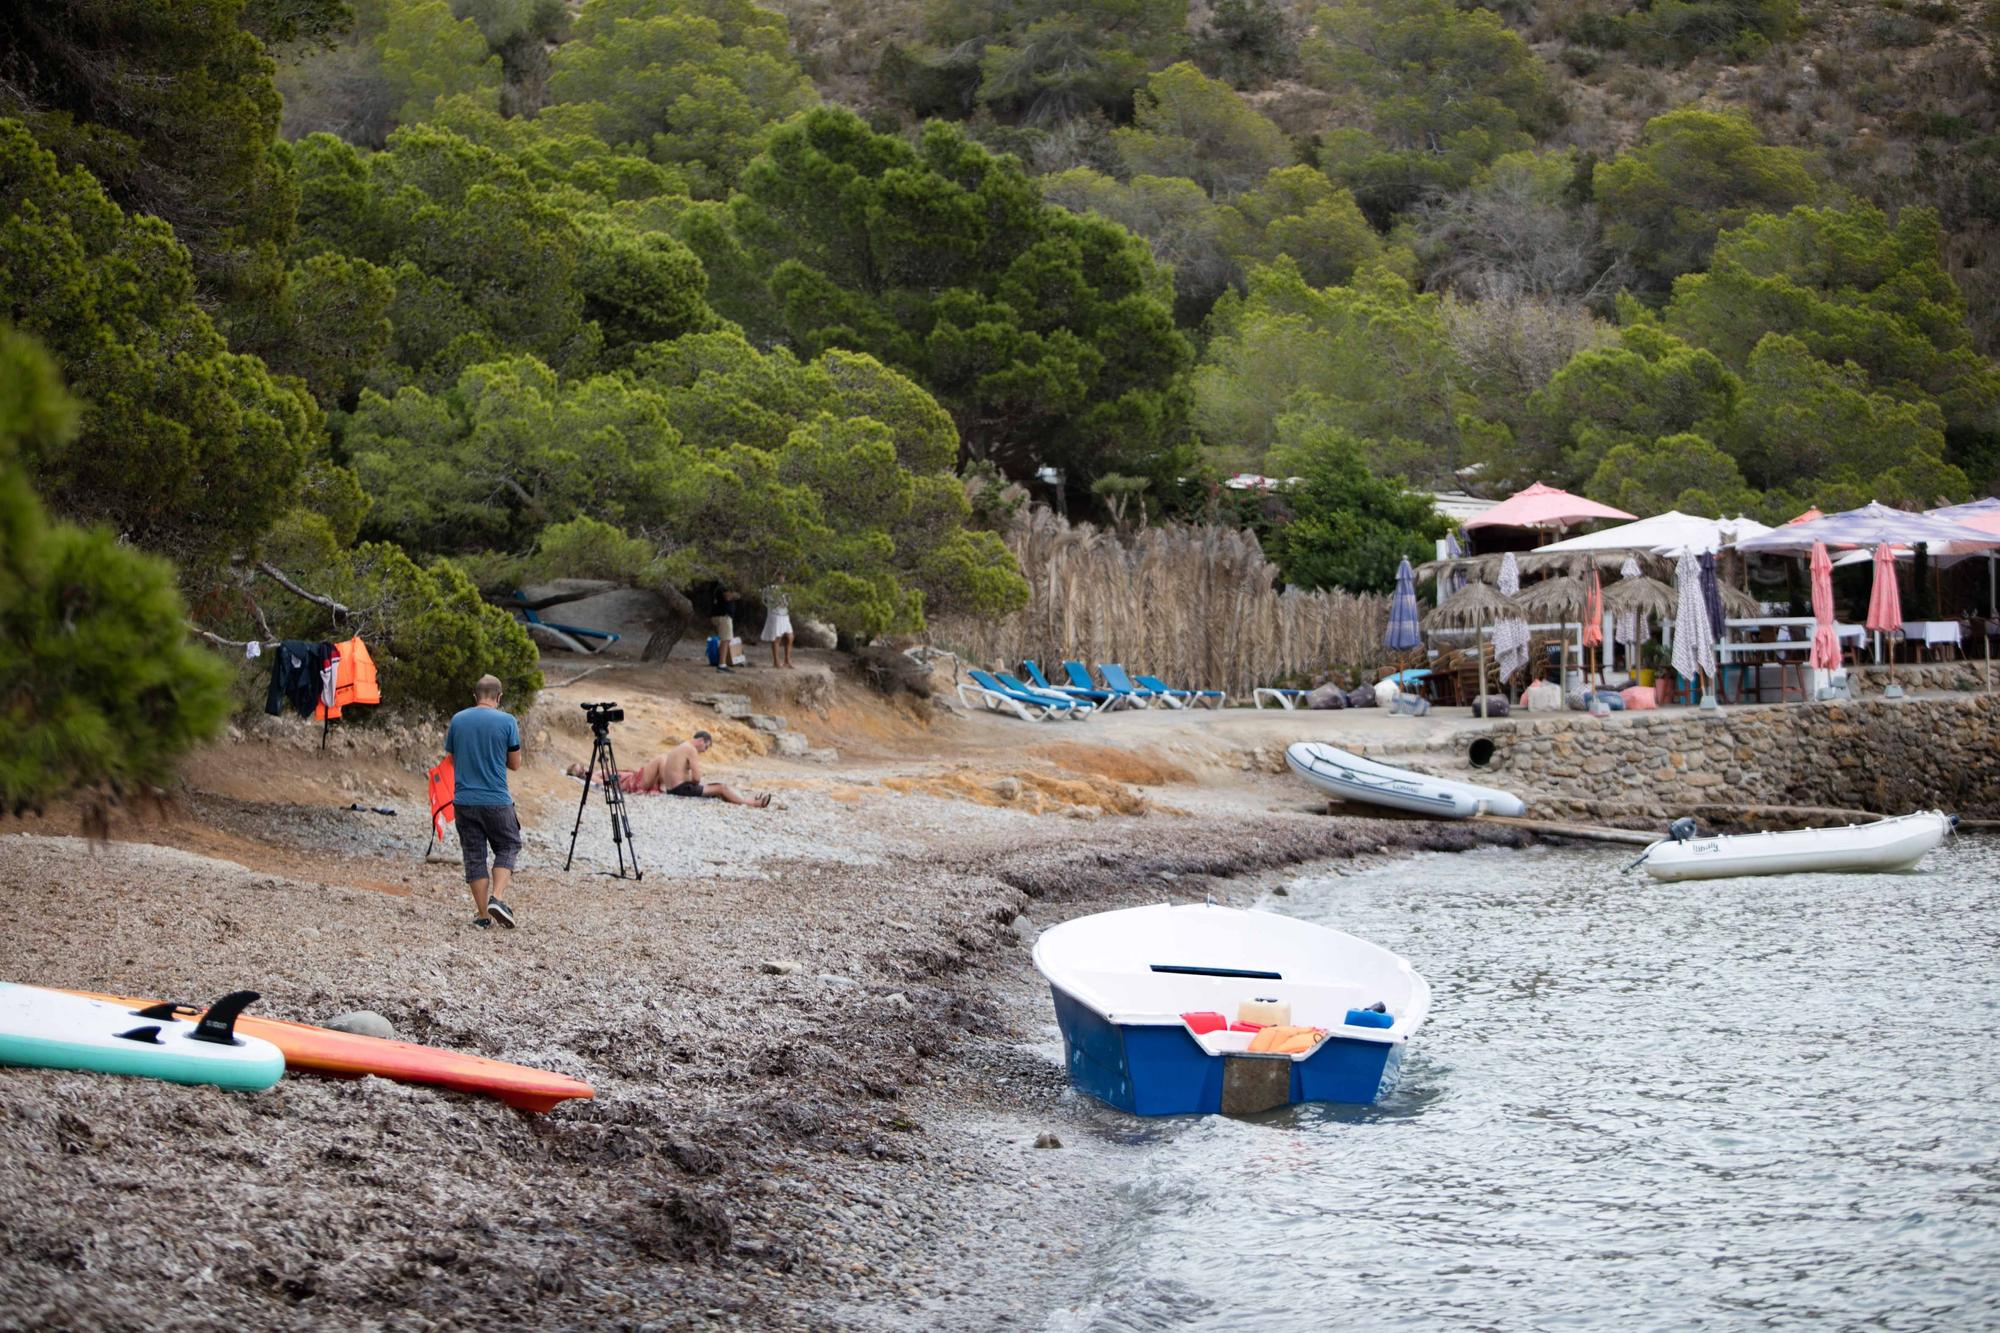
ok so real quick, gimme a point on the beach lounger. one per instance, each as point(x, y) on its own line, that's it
point(1029, 706)
point(1116, 679)
point(1079, 708)
point(1104, 700)
point(1208, 698)
point(1130, 696)
point(1284, 698)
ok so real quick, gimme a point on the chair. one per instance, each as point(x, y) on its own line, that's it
point(1028, 705)
point(1078, 709)
point(1286, 699)
point(1210, 698)
point(1104, 699)
point(1118, 682)
point(1079, 676)
point(1675, 688)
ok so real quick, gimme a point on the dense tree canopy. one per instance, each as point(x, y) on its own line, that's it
point(99, 687)
point(1048, 336)
point(184, 446)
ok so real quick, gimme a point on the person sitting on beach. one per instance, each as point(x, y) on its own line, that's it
point(677, 772)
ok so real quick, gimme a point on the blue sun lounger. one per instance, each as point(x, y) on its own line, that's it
point(533, 617)
point(1184, 698)
point(1120, 683)
point(1117, 697)
point(1104, 699)
point(1028, 705)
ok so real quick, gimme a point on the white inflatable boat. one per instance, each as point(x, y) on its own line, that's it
point(1884, 846)
point(1352, 778)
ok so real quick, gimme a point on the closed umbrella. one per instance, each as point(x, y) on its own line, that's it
point(1404, 633)
point(1510, 636)
point(1593, 620)
point(1885, 602)
point(1826, 640)
point(1629, 606)
point(1694, 641)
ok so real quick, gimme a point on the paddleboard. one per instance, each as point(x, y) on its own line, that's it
point(53, 1029)
point(316, 1050)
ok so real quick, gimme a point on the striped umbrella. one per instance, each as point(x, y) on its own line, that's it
point(1510, 636)
point(1694, 641)
point(1629, 626)
point(1404, 633)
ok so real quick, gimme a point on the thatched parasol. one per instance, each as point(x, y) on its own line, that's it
point(1563, 597)
point(1642, 596)
point(1473, 607)
point(1737, 602)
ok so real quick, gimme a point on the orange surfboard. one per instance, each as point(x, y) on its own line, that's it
point(347, 1055)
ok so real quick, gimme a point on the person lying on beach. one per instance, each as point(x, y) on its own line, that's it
point(677, 772)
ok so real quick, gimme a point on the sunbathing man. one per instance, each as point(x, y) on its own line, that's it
point(677, 772)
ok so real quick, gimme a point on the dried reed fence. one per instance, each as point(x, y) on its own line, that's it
point(1196, 606)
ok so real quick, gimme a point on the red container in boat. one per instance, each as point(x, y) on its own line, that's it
point(1204, 1022)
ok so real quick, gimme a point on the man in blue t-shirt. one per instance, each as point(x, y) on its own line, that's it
point(484, 743)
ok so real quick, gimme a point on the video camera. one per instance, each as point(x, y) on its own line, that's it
point(600, 716)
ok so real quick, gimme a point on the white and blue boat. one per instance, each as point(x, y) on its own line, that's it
point(1135, 989)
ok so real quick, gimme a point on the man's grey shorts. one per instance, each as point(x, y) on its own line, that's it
point(479, 825)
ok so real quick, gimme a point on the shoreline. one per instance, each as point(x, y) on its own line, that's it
point(792, 1150)
point(816, 1036)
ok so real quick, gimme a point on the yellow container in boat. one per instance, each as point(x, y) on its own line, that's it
point(1265, 1012)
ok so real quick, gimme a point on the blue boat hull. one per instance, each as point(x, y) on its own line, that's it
point(1160, 1069)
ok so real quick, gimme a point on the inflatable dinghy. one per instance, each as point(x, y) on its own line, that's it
point(1885, 846)
point(54, 1029)
point(1349, 777)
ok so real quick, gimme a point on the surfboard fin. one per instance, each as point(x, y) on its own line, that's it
point(150, 1034)
point(219, 1023)
point(164, 1009)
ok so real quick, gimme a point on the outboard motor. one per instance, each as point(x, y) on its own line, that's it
point(1682, 829)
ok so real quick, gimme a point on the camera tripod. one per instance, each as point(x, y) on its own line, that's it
point(603, 769)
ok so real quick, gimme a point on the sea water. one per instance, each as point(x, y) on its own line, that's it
point(1751, 1103)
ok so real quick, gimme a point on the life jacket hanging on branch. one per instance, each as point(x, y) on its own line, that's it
point(352, 679)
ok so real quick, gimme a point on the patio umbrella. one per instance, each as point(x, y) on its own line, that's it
point(1454, 549)
point(1826, 641)
point(1562, 598)
point(1632, 601)
point(1403, 633)
point(1542, 506)
point(1694, 642)
point(1473, 607)
point(1593, 620)
point(1663, 534)
point(1711, 593)
point(1885, 603)
point(1510, 636)
point(1870, 525)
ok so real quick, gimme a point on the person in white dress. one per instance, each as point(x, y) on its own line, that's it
point(778, 625)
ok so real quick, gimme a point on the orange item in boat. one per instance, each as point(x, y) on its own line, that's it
point(1285, 1040)
point(1204, 1021)
point(315, 1050)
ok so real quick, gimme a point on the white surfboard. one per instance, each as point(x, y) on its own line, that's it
point(54, 1030)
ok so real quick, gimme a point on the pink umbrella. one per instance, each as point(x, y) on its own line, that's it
point(1593, 615)
point(1543, 507)
point(1826, 643)
point(1885, 603)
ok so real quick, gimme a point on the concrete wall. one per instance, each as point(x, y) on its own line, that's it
point(1888, 756)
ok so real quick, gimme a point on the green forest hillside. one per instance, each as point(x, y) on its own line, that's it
point(396, 303)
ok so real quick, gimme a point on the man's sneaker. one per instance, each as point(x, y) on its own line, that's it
point(482, 923)
point(500, 912)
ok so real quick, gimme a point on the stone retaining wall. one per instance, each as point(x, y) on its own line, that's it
point(1887, 756)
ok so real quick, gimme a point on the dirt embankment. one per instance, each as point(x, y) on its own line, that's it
point(788, 1030)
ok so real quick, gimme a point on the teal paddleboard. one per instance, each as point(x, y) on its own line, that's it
point(55, 1030)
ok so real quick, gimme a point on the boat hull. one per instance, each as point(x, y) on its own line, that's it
point(1349, 777)
point(1885, 847)
point(1160, 1069)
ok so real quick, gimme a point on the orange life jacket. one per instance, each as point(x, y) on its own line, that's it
point(353, 680)
point(444, 789)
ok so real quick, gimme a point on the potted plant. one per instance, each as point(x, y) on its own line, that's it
point(1653, 660)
